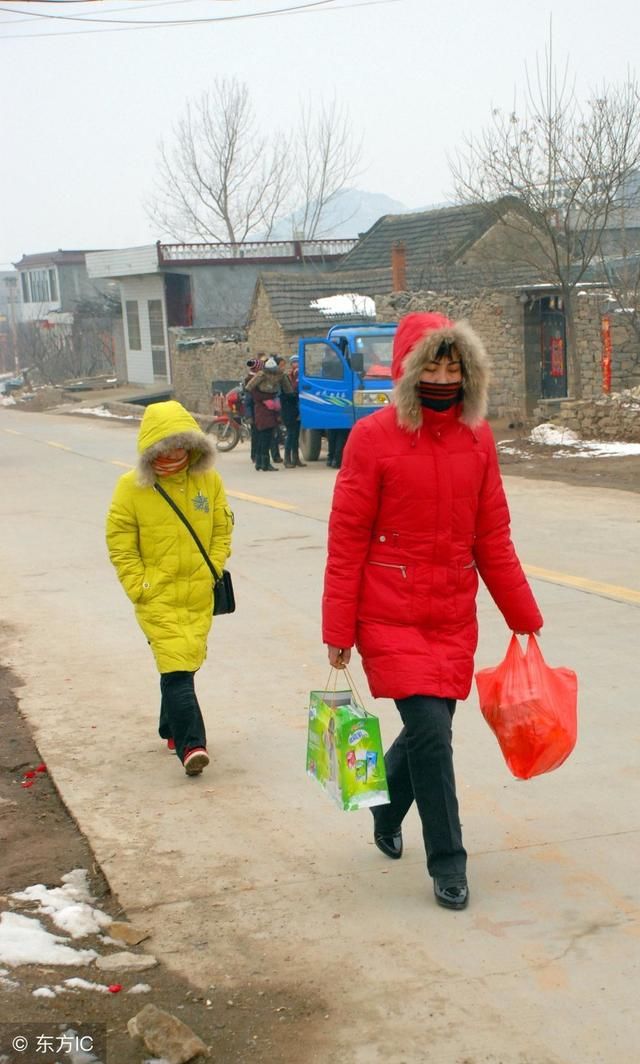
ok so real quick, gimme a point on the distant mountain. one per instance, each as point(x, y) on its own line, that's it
point(350, 213)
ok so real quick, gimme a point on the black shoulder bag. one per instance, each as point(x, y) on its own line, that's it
point(224, 600)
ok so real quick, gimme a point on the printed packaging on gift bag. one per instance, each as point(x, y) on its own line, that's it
point(344, 750)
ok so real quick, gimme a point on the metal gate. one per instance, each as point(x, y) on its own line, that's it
point(545, 350)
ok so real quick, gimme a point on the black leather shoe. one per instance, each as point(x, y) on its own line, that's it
point(390, 845)
point(452, 891)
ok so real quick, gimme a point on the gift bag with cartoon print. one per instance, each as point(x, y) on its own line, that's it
point(344, 750)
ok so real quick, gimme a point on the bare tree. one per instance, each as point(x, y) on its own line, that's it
point(326, 159)
point(553, 175)
point(221, 180)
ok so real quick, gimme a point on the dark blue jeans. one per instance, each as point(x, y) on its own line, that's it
point(419, 766)
point(180, 716)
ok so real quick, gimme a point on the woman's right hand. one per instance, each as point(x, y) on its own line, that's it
point(339, 657)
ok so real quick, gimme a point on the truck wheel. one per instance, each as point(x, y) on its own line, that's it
point(310, 444)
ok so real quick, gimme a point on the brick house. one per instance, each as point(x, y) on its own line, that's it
point(285, 308)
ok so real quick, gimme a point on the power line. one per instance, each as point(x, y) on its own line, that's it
point(152, 22)
point(38, 16)
point(314, 7)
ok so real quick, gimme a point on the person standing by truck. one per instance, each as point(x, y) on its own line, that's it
point(265, 387)
point(291, 418)
point(418, 512)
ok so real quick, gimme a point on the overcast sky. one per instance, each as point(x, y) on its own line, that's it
point(81, 115)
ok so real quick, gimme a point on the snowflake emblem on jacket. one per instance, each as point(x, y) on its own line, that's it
point(201, 502)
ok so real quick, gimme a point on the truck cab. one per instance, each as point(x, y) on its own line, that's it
point(343, 377)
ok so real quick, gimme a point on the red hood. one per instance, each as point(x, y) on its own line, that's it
point(411, 331)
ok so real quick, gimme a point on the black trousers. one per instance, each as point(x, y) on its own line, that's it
point(275, 444)
point(180, 716)
point(292, 439)
point(419, 766)
point(263, 448)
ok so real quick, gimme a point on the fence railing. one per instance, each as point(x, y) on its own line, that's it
point(254, 249)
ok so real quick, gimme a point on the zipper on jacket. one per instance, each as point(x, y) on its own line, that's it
point(391, 565)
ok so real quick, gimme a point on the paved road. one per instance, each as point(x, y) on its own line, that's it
point(249, 875)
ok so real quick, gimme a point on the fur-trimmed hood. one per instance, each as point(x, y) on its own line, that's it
point(417, 340)
point(164, 427)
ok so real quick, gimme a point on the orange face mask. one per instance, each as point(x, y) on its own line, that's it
point(165, 464)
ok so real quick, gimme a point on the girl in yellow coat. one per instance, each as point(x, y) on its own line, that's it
point(161, 568)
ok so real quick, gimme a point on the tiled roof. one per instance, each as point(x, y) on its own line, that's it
point(290, 295)
point(429, 237)
point(48, 258)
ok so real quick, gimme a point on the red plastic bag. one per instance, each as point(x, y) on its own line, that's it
point(531, 709)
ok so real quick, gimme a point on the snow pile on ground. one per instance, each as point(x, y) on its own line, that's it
point(101, 411)
point(69, 906)
point(557, 436)
point(23, 940)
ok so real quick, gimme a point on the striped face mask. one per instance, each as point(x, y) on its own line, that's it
point(439, 396)
point(164, 465)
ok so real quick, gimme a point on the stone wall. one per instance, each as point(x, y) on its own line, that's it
point(202, 356)
point(264, 332)
point(611, 417)
point(625, 356)
point(497, 318)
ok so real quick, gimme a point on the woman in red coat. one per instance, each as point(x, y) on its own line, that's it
point(418, 511)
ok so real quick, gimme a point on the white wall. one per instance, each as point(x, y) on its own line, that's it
point(140, 289)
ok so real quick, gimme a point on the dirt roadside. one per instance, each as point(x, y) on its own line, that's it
point(40, 843)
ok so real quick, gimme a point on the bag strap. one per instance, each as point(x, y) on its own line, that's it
point(178, 511)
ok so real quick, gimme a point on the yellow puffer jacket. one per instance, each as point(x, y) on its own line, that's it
point(156, 558)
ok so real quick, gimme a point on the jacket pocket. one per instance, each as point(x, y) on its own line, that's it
point(387, 592)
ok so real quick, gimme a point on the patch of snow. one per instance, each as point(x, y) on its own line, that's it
point(553, 435)
point(84, 984)
point(8, 984)
point(563, 437)
point(23, 940)
point(101, 411)
point(44, 991)
point(7, 400)
point(68, 906)
point(345, 303)
point(140, 988)
point(75, 1054)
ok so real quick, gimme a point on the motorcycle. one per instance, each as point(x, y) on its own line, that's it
point(229, 430)
point(230, 426)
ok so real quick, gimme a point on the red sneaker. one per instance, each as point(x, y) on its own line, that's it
point(171, 746)
point(195, 760)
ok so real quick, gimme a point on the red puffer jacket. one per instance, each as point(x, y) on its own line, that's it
point(418, 511)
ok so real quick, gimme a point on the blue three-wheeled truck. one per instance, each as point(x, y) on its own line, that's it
point(343, 376)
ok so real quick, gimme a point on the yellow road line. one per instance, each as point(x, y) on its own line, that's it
point(273, 503)
point(62, 446)
point(581, 583)
point(125, 465)
point(12, 432)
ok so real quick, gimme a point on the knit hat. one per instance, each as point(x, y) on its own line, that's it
point(294, 358)
point(253, 363)
point(271, 363)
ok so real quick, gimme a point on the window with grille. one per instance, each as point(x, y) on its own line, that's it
point(133, 324)
point(156, 331)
